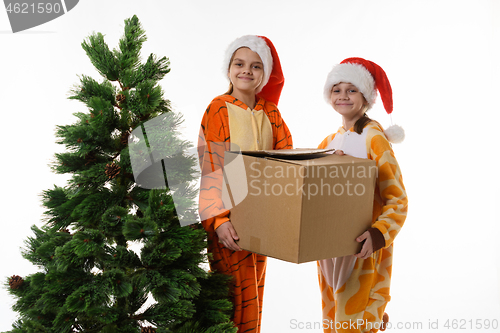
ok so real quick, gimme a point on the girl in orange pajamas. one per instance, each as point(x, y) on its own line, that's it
point(355, 289)
point(245, 117)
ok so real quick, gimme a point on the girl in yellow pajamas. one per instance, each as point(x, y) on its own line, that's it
point(355, 289)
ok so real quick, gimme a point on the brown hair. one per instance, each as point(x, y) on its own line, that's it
point(230, 89)
point(360, 124)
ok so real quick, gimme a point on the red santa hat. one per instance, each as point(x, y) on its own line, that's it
point(273, 81)
point(368, 77)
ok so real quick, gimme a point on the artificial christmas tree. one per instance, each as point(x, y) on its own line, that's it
point(90, 279)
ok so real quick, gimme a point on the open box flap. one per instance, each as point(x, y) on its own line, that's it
point(303, 156)
point(287, 153)
point(294, 156)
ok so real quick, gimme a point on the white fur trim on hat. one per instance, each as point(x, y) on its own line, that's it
point(259, 46)
point(355, 74)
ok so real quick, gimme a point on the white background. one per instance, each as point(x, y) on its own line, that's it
point(440, 56)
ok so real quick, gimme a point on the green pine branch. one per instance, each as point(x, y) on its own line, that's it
point(90, 280)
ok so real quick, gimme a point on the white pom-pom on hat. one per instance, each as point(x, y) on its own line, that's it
point(395, 134)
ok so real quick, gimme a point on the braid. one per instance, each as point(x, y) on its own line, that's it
point(361, 123)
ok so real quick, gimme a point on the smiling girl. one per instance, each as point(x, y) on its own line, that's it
point(355, 289)
point(245, 117)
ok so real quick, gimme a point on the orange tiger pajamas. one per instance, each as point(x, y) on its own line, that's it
point(355, 291)
point(261, 128)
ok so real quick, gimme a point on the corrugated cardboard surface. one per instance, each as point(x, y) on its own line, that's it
point(299, 208)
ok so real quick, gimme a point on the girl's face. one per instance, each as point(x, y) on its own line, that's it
point(246, 71)
point(348, 100)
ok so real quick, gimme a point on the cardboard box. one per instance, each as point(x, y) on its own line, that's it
point(299, 205)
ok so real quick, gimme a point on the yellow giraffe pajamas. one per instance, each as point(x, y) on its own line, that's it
point(355, 291)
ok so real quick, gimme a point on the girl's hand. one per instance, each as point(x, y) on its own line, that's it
point(339, 152)
point(367, 249)
point(227, 236)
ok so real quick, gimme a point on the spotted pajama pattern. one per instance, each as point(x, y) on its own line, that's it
point(363, 297)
